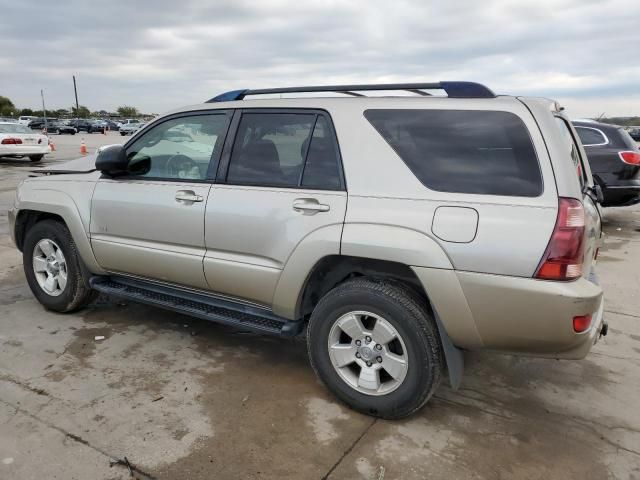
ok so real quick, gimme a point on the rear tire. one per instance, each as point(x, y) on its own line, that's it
point(61, 296)
point(397, 359)
point(36, 158)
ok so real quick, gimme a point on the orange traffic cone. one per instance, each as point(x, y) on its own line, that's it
point(83, 148)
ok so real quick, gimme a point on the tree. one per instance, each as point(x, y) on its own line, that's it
point(60, 113)
point(127, 111)
point(26, 112)
point(7, 108)
point(82, 112)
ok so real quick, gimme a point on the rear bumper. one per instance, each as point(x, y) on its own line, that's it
point(512, 314)
point(10, 150)
point(620, 192)
point(534, 317)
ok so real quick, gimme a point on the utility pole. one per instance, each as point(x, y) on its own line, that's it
point(44, 111)
point(75, 90)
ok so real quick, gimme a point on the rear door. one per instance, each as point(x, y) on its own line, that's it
point(280, 181)
point(592, 209)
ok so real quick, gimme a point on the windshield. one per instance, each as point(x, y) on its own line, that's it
point(13, 128)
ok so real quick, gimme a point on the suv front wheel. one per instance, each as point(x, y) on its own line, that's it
point(52, 267)
point(375, 345)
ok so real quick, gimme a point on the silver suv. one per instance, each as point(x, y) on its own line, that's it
point(394, 231)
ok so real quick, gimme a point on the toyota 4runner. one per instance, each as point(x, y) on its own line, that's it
point(394, 231)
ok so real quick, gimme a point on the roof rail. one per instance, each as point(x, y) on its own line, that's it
point(453, 90)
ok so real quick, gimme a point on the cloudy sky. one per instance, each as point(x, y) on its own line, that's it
point(158, 55)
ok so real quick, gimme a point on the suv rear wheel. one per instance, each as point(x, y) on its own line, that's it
point(36, 158)
point(52, 267)
point(376, 347)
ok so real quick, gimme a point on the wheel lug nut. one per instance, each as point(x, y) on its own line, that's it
point(379, 359)
point(368, 364)
point(358, 342)
point(357, 355)
point(378, 347)
point(368, 339)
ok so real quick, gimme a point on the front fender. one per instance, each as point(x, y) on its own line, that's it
point(51, 199)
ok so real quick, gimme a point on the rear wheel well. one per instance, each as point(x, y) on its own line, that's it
point(27, 219)
point(333, 270)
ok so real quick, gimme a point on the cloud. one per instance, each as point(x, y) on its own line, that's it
point(161, 54)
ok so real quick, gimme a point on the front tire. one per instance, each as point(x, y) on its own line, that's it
point(36, 158)
point(375, 345)
point(52, 267)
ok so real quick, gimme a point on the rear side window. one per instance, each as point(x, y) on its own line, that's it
point(285, 150)
point(591, 136)
point(572, 150)
point(483, 152)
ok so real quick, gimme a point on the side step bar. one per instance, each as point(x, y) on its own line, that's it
point(197, 305)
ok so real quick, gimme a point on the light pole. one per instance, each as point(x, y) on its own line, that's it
point(75, 90)
point(44, 111)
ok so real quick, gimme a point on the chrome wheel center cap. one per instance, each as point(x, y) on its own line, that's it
point(366, 353)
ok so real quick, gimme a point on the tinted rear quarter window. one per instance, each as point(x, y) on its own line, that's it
point(481, 152)
point(591, 136)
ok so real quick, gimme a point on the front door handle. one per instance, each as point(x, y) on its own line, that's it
point(309, 206)
point(188, 196)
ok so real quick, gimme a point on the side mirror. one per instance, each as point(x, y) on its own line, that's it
point(112, 161)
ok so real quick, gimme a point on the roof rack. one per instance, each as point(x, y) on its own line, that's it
point(453, 90)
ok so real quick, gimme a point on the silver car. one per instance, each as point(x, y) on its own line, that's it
point(394, 232)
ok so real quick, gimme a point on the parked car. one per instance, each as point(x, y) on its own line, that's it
point(97, 126)
point(615, 161)
point(80, 124)
point(60, 128)
point(635, 134)
point(111, 125)
point(17, 140)
point(25, 119)
point(39, 123)
point(130, 128)
point(471, 223)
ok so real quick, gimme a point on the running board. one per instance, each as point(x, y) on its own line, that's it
point(197, 305)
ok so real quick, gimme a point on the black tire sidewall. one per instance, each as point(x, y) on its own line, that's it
point(59, 234)
point(422, 362)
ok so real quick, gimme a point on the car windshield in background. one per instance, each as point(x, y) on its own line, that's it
point(14, 128)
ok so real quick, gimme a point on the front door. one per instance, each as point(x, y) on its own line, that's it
point(151, 223)
point(280, 181)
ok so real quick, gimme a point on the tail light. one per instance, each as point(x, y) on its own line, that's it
point(11, 141)
point(565, 253)
point(631, 158)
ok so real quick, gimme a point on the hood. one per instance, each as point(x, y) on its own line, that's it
point(79, 165)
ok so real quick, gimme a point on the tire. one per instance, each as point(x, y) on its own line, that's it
point(76, 293)
point(414, 327)
point(36, 158)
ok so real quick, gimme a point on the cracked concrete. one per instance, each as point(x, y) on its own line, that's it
point(226, 404)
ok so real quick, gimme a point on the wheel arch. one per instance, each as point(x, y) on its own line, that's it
point(332, 270)
point(36, 205)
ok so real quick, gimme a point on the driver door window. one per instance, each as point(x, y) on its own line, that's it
point(178, 149)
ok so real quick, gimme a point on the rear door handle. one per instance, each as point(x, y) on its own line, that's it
point(188, 196)
point(309, 206)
